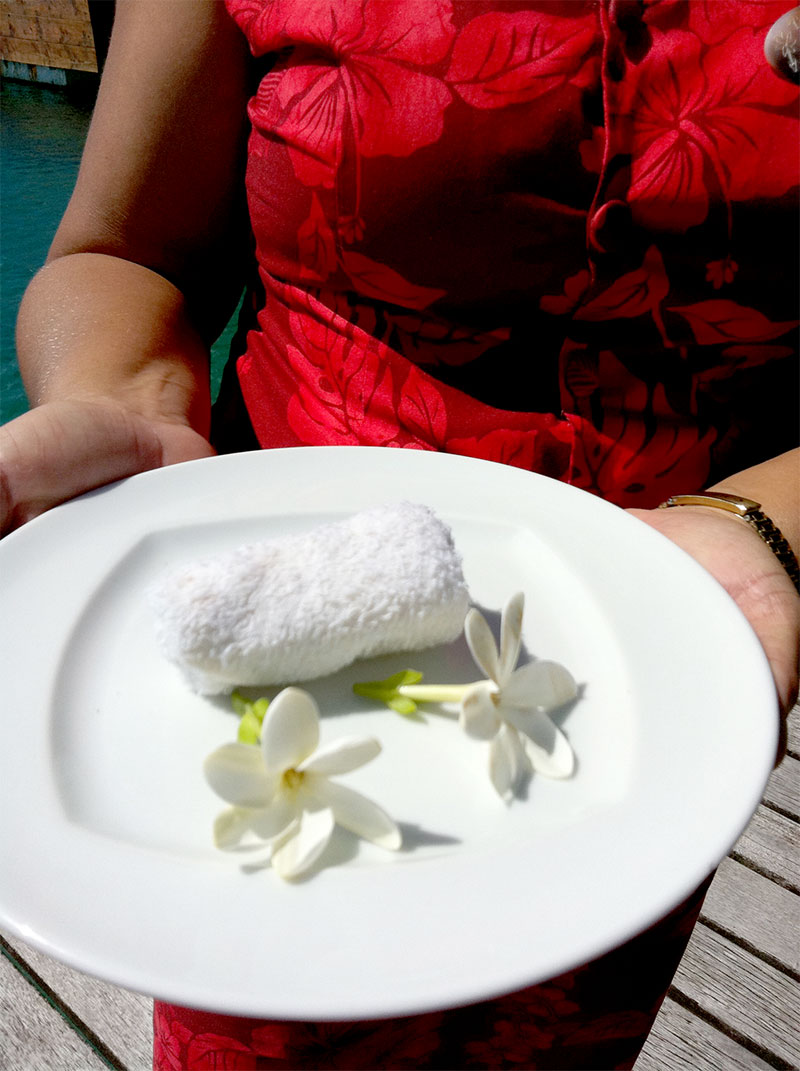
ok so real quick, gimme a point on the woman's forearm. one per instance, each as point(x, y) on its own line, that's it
point(776, 485)
point(93, 326)
point(146, 265)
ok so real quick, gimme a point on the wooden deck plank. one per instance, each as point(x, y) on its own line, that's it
point(680, 1041)
point(793, 732)
point(34, 1036)
point(755, 912)
point(769, 844)
point(121, 1020)
point(749, 999)
point(783, 788)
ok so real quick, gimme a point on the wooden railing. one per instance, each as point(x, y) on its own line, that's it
point(47, 33)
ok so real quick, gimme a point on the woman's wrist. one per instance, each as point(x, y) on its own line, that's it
point(775, 485)
point(736, 556)
point(749, 512)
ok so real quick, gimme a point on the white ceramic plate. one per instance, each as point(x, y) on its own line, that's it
point(105, 819)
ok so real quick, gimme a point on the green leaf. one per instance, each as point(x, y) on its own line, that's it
point(239, 703)
point(405, 676)
point(387, 692)
point(405, 706)
point(384, 690)
point(249, 728)
point(251, 716)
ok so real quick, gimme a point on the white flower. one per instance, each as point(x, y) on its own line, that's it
point(510, 708)
point(282, 791)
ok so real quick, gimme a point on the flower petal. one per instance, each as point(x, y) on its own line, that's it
point(549, 751)
point(342, 755)
point(507, 761)
point(510, 635)
point(290, 730)
point(305, 846)
point(539, 684)
point(478, 716)
point(230, 826)
point(357, 813)
point(236, 773)
point(270, 822)
point(481, 642)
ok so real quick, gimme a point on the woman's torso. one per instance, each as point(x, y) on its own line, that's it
point(559, 234)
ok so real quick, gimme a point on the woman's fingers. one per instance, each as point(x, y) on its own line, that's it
point(62, 449)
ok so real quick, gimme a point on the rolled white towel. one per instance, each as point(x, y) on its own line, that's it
point(291, 609)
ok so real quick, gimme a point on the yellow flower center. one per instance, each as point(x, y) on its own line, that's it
point(292, 779)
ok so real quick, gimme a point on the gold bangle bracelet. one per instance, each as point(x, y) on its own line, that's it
point(751, 513)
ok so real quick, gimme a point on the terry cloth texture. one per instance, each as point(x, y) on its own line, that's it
point(289, 610)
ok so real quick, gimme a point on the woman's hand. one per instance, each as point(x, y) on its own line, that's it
point(62, 448)
point(748, 570)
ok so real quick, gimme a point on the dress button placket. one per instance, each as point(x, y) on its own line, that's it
point(609, 222)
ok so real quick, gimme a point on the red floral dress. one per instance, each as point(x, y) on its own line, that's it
point(559, 235)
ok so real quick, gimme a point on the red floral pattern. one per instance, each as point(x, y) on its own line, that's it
point(184, 1042)
point(699, 129)
point(506, 58)
point(635, 293)
point(446, 193)
point(724, 321)
point(362, 76)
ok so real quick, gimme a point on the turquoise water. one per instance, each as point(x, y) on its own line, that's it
point(43, 136)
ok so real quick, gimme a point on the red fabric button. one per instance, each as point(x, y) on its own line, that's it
point(609, 226)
